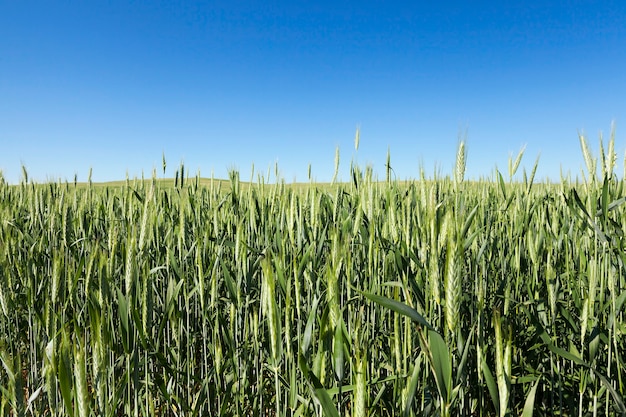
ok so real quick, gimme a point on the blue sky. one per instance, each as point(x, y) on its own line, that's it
point(224, 84)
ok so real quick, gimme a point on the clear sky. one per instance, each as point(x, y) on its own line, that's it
point(224, 84)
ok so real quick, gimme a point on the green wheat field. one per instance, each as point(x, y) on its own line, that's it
point(371, 297)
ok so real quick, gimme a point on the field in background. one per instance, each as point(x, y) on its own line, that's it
point(371, 297)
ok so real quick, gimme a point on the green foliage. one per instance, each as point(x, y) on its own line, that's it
point(444, 297)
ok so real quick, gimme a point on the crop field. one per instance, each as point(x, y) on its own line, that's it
point(436, 297)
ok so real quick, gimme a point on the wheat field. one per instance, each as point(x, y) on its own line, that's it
point(435, 297)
